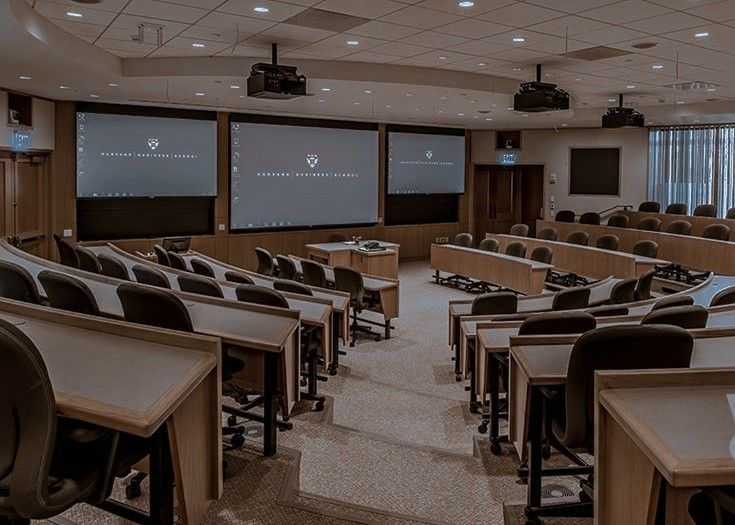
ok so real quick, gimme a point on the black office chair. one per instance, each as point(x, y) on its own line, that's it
point(313, 274)
point(286, 268)
point(651, 224)
point(589, 217)
point(555, 323)
point(547, 234)
point(489, 245)
point(200, 267)
point(266, 266)
point(67, 254)
point(199, 284)
point(284, 285)
point(87, 260)
point(730, 214)
point(677, 208)
point(177, 261)
point(608, 310)
point(161, 255)
point(650, 207)
point(516, 249)
point(494, 303)
point(542, 254)
point(350, 281)
point(723, 297)
point(719, 232)
point(618, 221)
point(238, 277)
point(519, 230)
point(673, 301)
point(713, 506)
point(623, 291)
point(113, 267)
point(608, 242)
point(336, 237)
point(571, 299)
point(705, 210)
point(643, 286)
point(152, 276)
point(581, 238)
point(18, 284)
point(646, 249)
point(252, 293)
point(463, 239)
point(565, 216)
point(690, 317)
point(679, 227)
point(68, 293)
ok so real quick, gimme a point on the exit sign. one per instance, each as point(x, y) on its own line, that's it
point(507, 158)
point(20, 140)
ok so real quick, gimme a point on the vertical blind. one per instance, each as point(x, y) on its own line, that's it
point(693, 165)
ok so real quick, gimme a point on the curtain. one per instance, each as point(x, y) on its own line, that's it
point(693, 165)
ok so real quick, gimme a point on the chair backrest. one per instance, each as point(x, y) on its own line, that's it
point(67, 255)
point(571, 299)
point(18, 284)
point(177, 261)
point(154, 307)
point(161, 255)
point(643, 286)
point(565, 216)
point(68, 293)
point(199, 284)
point(350, 281)
point(152, 276)
point(284, 285)
point(608, 310)
point(252, 293)
point(547, 234)
point(516, 249)
point(720, 232)
point(608, 242)
point(676, 208)
point(651, 224)
point(579, 237)
point(200, 267)
point(336, 237)
point(650, 207)
point(557, 323)
point(618, 220)
point(87, 260)
point(489, 245)
point(672, 302)
point(238, 277)
point(730, 214)
point(690, 317)
point(624, 347)
point(265, 262)
point(646, 249)
point(519, 230)
point(463, 239)
point(623, 291)
point(726, 296)
point(495, 303)
point(286, 268)
point(313, 274)
point(679, 227)
point(589, 217)
point(113, 267)
point(542, 254)
point(705, 210)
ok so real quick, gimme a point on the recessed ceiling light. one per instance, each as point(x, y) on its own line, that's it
point(24, 77)
point(74, 14)
point(409, 94)
point(353, 43)
point(519, 39)
point(517, 69)
point(112, 84)
point(368, 91)
point(199, 94)
point(440, 111)
point(63, 87)
point(442, 57)
point(465, 3)
point(261, 9)
point(476, 116)
point(460, 114)
point(711, 89)
point(242, 96)
point(488, 118)
point(657, 66)
point(510, 109)
point(611, 100)
point(524, 115)
point(234, 86)
point(388, 106)
point(417, 109)
point(481, 64)
point(564, 125)
point(443, 97)
point(326, 89)
point(681, 101)
point(701, 34)
point(356, 103)
point(577, 79)
point(320, 100)
point(197, 44)
point(630, 87)
point(94, 96)
point(473, 101)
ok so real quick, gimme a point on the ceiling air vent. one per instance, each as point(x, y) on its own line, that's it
point(697, 84)
point(326, 20)
point(598, 53)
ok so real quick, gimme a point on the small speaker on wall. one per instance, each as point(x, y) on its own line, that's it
point(506, 140)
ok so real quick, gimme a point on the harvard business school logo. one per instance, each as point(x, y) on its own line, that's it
point(429, 154)
point(153, 144)
point(312, 159)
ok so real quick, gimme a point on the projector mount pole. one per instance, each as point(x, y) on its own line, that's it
point(538, 72)
point(620, 100)
point(274, 54)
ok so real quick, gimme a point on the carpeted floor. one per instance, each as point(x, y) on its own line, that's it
point(396, 443)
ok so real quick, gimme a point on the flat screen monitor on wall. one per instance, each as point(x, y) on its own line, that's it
point(425, 163)
point(290, 176)
point(124, 155)
point(594, 171)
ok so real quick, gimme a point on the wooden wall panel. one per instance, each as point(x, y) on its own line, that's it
point(62, 207)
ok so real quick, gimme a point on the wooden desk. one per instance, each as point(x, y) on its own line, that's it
point(266, 338)
point(586, 260)
point(690, 252)
point(522, 275)
point(657, 429)
point(152, 383)
point(382, 263)
point(698, 223)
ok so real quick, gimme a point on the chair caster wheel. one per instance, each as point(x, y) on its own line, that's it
point(378, 338)
point(352, 344)
point(458, 377)
point(319, 406)
point(533, 521)
point(232, 421)
point(495, 448)
point(237, 440)
point(546, 452)
point(332, 371)
point(285, 426)
point(482, 428)
point(132, 490)
point(303, 382)
point(473, 408)
point(522, 481)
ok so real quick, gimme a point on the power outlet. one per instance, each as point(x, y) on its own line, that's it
point(67, 232)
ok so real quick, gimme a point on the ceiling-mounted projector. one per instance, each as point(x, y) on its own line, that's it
point(273, 81)
point(537, 96)
point(622, 117)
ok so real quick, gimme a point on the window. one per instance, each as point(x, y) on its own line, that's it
point(693, 165)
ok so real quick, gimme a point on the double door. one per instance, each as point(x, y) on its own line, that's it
point(23, 195)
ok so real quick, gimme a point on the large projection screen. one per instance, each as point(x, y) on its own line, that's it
point(424, 163)
point(285, 176)
point(144, 156)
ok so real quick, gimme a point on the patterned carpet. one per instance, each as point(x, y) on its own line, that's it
point(395, 445)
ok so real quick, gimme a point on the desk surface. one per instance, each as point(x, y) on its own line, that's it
point(698, 223)
point(492, 255)
point(349, 245)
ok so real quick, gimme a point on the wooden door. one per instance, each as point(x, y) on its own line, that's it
point(25, 202)
point(502, 203)
point(6, 217)
point(532, 196)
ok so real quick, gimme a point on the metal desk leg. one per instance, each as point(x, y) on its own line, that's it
point(473, 379)
point(270, 402)
point(495, 439)
point(161, 479)
point(535, 424)
point(334, 365)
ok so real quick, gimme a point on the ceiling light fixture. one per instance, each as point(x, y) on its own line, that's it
point(388, 106)
point(326, 89)
point(261, 9)
point(481, 64)
point(488, 118)
point(199, 94)
point(112, 84)
point(630, 87)
point(74, 14)
point(442, 57)
point(63, 87)
point(460, 114)
point(368, 91)
point(657, 66)
point(465, 3)
point(517, 69)
point(24, 77)
point(356, 103)
point(409, 94)
point(94, 96)
point(320, 100)
point(197, 44)
point(353, 43)
point(702, 34)
point(519, 39)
